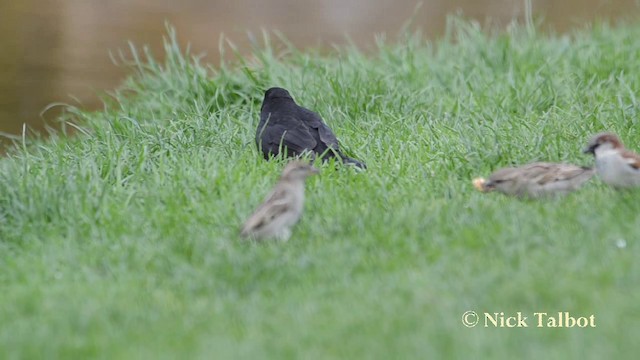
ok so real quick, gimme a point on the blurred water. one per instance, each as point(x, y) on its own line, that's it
point(58, 50)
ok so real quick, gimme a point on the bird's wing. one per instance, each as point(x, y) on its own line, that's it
point(546, 173)
point(276, 204)
point(289, 131)
point(631, 158)
point(535, 172)
point(315, 121)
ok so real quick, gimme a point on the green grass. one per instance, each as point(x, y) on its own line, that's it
point(122, 241)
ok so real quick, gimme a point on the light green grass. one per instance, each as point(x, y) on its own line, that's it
point(122, 241)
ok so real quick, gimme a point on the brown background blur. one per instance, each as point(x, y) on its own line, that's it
point(58, 50)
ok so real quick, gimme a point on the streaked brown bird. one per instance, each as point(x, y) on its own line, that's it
point(283, 207)
point(536, 180)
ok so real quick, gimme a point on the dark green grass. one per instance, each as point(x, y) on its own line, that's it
point(122, 241)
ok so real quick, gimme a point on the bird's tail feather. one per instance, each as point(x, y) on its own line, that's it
point(354, 162)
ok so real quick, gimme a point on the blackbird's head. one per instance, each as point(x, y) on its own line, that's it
point(276, 93)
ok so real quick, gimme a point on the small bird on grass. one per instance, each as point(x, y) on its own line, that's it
point(295, 130)
point(283, 207)
point(536, 180)
point(615, 165)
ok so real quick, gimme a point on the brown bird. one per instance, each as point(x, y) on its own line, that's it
point(536, 179)
point(283, 207)
point(615, 165)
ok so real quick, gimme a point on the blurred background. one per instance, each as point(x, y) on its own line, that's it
point(58, 50)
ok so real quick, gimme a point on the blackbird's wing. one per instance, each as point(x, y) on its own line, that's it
point(313, 120)
point(325, 137)
point(288, 131)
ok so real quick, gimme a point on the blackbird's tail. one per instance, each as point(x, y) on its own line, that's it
point(330, 153)
point(354, 162)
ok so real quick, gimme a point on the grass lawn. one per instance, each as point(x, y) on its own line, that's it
point(122, 241)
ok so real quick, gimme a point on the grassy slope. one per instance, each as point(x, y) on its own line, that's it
point(123, 242)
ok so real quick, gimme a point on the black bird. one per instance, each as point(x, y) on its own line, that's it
point(294, 129)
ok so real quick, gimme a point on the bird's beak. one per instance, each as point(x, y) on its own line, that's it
point(589, 150)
